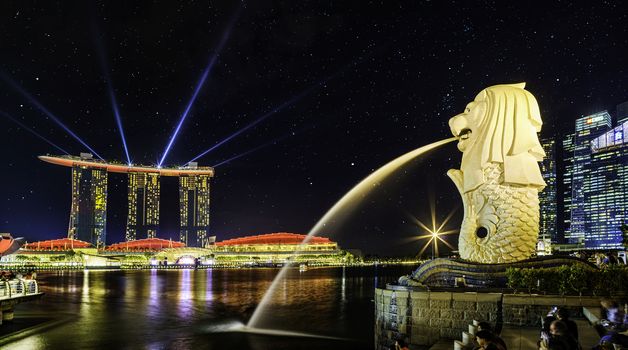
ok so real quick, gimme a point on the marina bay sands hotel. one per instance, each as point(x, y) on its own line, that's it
point(88, 213)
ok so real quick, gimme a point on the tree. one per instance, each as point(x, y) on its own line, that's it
point(624, 231)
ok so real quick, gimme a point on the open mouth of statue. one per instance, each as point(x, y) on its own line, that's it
point(464, 134)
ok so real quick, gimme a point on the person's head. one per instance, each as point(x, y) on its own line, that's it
point(485, 326)
point(547, 321)
point(558, 327)
point(562, 313)
point(484, 337)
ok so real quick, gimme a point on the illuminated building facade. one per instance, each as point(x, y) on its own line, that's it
point(278, 248)
point(143, 202)
point(88, 213)
point(547, 197)
point(567, 172)
point(194, 208)
point(587, 128)
point(606, 196)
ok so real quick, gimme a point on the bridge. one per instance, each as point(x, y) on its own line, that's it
point(16, 291)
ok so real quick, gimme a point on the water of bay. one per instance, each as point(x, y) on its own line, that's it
point(187, 309)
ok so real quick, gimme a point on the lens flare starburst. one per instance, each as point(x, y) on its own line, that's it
point(434, 232)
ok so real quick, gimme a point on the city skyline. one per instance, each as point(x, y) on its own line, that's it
point(293, 104)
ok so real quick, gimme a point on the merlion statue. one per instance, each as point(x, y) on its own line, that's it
point(499, 177)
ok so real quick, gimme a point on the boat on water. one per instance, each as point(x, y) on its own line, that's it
point(9, 244)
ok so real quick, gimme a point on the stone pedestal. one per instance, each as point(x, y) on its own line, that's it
point(424, 317)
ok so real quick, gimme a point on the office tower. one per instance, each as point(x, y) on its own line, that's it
point(547, 197)
point(587, 128)
point(606, 200)
point(88, 212)
point(194, 208)
point(566, 174)
point(143, 204)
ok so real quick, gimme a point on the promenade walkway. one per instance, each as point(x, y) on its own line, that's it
point(525, 338)
point(14, 292)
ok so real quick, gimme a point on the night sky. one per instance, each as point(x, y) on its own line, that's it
point(349, 86)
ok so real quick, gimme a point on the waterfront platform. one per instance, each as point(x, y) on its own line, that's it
point(525, 337)
point(14, 292)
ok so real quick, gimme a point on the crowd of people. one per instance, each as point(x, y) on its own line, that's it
point(560, 332)
point(613, 327)
point(12, 275)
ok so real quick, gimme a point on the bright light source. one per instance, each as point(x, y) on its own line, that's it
point(186, 260)
point(435, 232)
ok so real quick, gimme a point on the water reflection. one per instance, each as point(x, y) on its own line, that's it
point(176, 309)
point(185, 294)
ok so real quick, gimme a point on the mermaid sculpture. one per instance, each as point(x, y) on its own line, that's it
point(499, 177)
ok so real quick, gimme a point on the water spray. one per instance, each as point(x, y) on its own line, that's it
point(348, 201)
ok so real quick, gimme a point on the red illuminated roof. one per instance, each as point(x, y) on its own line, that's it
point(274, 238)
point(147, 244)
point(123, 168)
point(57, 244)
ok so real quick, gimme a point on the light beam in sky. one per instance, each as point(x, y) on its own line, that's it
point(6, 115)
point(100, 50)
point(44, 110)
point(277, 109)
point(253, 150)
point(201, 82)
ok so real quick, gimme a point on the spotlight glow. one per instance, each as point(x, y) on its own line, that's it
point(277, 109)
point(6, 115)
point(200, 84)
point(44, 110)
point(100, 50)
point(116, 113)
point(250, 151)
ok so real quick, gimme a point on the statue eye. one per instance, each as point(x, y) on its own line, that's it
point(467, 110)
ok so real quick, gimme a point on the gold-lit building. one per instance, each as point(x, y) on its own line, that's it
point(194, 208)
point(88, 213)
point(143, 204)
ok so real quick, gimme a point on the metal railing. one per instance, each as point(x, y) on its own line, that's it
point(18, 288)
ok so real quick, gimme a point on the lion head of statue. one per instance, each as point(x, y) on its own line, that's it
point(501, 126)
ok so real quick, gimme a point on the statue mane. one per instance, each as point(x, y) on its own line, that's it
point(507, 134)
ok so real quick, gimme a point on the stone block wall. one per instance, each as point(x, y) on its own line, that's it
point(529, 309)
point(424, 317)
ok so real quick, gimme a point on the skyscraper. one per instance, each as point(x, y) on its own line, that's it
point(143, 204)
point(606, 200)
point(547, 197)
point(194, 208)
point(566, 174)
point(88, 212)
point(587, 128)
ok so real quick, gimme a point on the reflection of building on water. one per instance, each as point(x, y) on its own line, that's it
point(259, 250)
